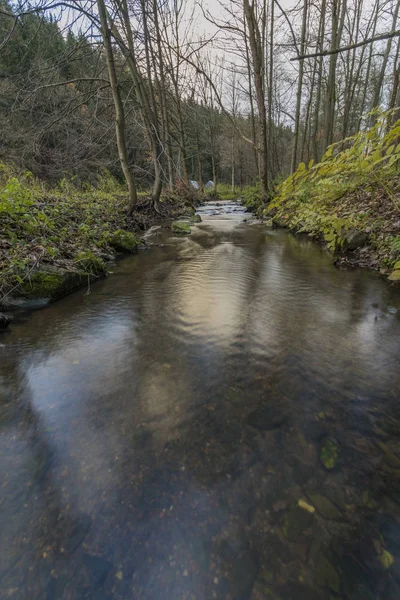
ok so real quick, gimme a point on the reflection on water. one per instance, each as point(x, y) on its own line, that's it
point(158, 434)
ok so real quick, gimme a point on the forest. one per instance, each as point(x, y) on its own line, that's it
point(156, 94)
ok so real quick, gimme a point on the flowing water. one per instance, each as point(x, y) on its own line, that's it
point(159, 432)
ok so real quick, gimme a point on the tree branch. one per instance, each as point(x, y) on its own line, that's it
point(382, 36)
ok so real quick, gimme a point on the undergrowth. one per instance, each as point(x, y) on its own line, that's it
point(356, 186)
point(65, 225)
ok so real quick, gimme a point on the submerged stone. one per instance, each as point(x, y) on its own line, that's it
point(124, 241)
point(5, 320)
point(181, 227)
point(244, 573)
point(295, 522)
point(329, 454)
point(267, 417)
point(327, 575)
point(325, 507)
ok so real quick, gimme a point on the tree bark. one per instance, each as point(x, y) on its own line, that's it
point(119, 107)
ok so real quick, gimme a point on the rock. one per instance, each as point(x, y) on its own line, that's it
point(325, 507)
point(390, 532)
point(278, 222)
point(295, 522)
point(391, 458)
point(5, 321)
point(51, 283)
point(327, 575)
point(354, 239)
point(269, 224)
point(267, 417)
point(181, 228)
point(196, 219)
point(243, 575)
point(124, 241)
point(329, 454)
point(97, 567)
point(90, 263)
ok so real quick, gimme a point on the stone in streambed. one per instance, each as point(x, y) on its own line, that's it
point(267, 417)
point(244, 573)
point(196, 219)
point(181, 228)
point(325, 507)
point(97, 567)
point(124, 241)
point(5, 321)
point(327, 575)
point(295, 522)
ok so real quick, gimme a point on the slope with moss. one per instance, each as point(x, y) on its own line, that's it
point(61, 235)
point(353, 193)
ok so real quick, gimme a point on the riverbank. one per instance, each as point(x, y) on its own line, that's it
point(55, 240)
point(350, 201)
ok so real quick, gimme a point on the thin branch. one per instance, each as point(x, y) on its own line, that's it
point(378, 38)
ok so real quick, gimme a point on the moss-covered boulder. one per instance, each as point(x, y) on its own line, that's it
point(329, 454)
point(196, 219)
point(51, 283)
point(89, 263)
point(124, 241)
point(181, 228)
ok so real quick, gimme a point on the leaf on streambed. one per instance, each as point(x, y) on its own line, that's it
point(303, 504)
point(386, 559)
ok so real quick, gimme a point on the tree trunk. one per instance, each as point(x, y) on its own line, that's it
point(299, 90)
point(258, 68)
point(119, 107)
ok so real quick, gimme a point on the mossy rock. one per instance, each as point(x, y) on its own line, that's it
point(124, 241)
point(196, 219)
point(181, 227)
point(51, 284)
point(329, 454)
point(90, 263)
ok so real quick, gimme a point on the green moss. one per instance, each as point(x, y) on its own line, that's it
point(196, 219)
point(329, 454)
point(181, 227)
point(90, 263)
point(43, 285)
point(124, 241)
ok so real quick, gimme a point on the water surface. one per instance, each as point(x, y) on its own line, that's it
point(158, 432)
